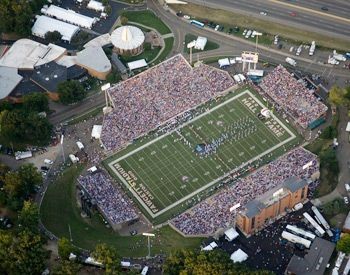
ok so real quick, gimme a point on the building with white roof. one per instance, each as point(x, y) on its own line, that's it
point(25, 54)
point(9, 79)
point(95, 5)
point(70, 16)
point(44, 24)
point(128, 40)
point(95, 61)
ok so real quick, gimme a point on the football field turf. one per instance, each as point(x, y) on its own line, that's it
point(223, 136)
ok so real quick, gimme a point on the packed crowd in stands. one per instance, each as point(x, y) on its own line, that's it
point(293, 96)
point(151, 98)
point(213, 213)
point(111, 200)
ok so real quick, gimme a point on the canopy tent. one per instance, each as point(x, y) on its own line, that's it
point(137, 64)
point(225, 62)
point(44, 24)
point(239, 256)
point(210, 246)
point(200, 43)
point(96, 131)
point(231, 234)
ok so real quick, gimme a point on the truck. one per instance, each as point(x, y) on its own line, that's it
point(312, 48)
point(318, 229)
point(322, 220)
point(291, 61)
point(332, 61)
point(338, 56)
point(296, 239)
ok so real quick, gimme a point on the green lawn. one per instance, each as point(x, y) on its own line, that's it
point(147, 18)
point(166, 173)
point(209, 46)
point(169, 42)
point(149, 54)
point(59, 211)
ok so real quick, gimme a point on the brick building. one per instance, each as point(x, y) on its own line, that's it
point(261, 211)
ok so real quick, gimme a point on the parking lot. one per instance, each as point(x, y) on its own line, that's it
point(267, 249)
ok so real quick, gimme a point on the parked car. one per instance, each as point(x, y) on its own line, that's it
point(324, 8)
point(133, 232)
point(263, 13)
point(346, 200)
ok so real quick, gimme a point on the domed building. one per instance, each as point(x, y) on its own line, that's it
point(128, 40)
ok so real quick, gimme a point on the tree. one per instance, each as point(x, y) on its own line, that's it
point(109, 257)
point(66, 267)
point(108, 9)
point(12, 184)
point(28, 217)
point(20, 127)
point(124, 20)
point(4, 169)
point(65, 248)
point(70, 92)
point(21, 254)
point(105, 2)
point(337, 96)
point(213, 262)
point(30, 179)
point(343, 244)
point(329, 132)
point(36, 102)
point(53, 37)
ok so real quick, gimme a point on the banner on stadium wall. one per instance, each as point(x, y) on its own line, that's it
point(250, 57)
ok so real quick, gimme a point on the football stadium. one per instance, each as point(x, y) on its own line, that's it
point(173, 150)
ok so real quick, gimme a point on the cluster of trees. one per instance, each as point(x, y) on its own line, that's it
point(343, 244)
point(71, 91)
point(108, 8)
point(339, 96)
point(22, 124)
point(21, 250)
point(200, 262)
point(53, 37)
point(16, 15)
point(19, 185)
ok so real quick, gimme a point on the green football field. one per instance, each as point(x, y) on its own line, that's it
point(222, 136)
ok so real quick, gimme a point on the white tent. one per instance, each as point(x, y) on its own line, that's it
point(94, 5)
point(210, 246)
point(348, 127)
point(225, 62)
point(96, 131)
point(44, 24)
point(239, 256)
point(70, 16)
point(200, 43)
point(137, 64)
point(231, 234)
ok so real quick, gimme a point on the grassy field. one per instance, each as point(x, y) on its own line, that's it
point(59, 211)
point(209, 46)
point(148, 54)
point(147, 18)
point(168, 170)
point(230, 19)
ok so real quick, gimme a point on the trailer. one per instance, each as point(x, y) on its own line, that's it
point(296, 239)
point(23, 155)
point(301, 232)
point(322, 220)
point(291, 61)
point(318, 228)
point(312, 48)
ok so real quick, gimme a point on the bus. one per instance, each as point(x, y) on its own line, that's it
point(322, 220)
point(197, 23)
point(300, 232)
point(319, 229)
point(296, 239)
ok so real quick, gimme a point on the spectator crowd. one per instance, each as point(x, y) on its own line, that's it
point(111, 200)
point(213, 213)
point(293, 96)
point(144, 102)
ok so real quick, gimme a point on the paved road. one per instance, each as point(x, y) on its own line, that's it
point(310, 18)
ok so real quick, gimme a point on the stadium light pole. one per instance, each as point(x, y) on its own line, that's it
point(104, 89)
point(64, 158)
point(149, 235)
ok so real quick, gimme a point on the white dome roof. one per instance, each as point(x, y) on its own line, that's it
point(127, 37)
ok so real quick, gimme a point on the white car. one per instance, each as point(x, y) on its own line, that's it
point(347, 187)
point(187, 17)
point(244, 32)
point(346, 200)
point(217, 27)
point(275, 42)
point(249, 32)
point(263, 13)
